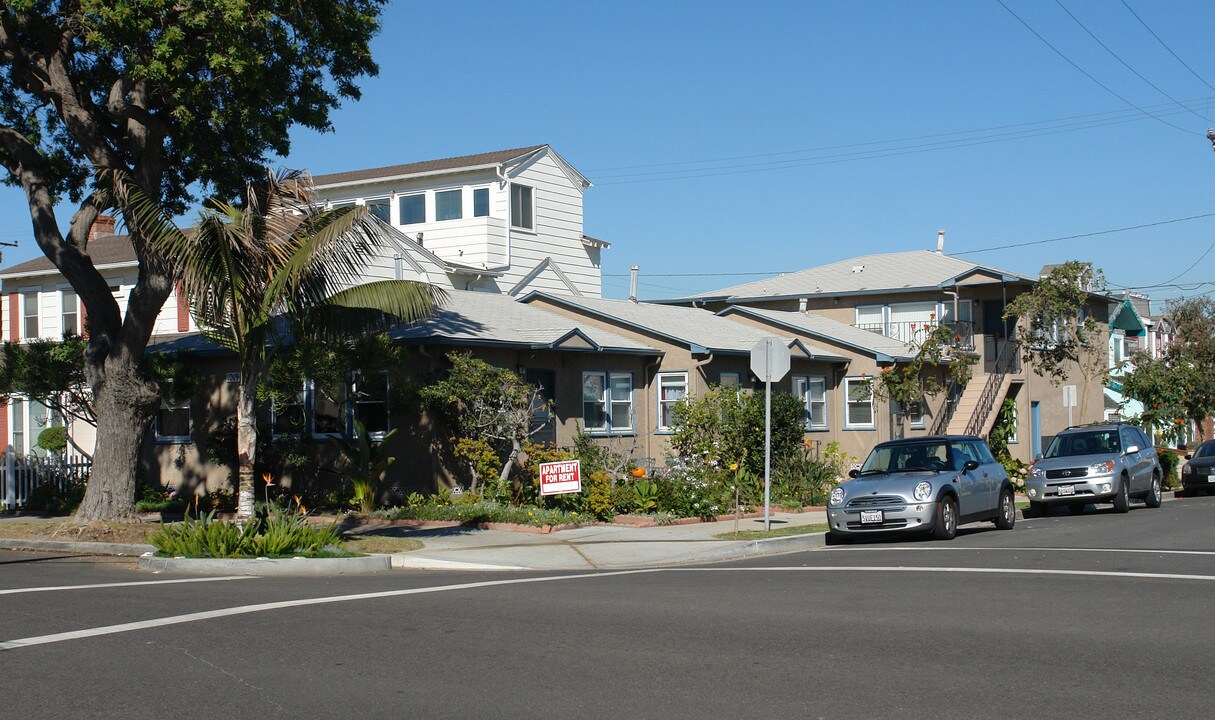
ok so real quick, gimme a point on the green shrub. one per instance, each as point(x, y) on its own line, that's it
point(1169, 463)
point(284, 533)
point(53, 439)
point(48, 497)
point(482, 511)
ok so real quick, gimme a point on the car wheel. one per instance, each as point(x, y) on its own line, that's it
point(832, 538)
point(1154, 496)
point(1122, 501)
point(1007, 512)
point(946, 525)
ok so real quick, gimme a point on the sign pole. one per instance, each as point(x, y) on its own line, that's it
point(768, 455)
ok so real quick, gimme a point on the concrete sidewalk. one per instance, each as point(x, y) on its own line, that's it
point(586, 548)
point(601, 546)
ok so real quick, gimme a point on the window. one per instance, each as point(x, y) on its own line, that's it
point(915, 415)
point(481, 202)
point(544, 421)
point(858, 399)
point(607, 402)
point(328, 409)
point(521, 206)
point(18, 424)
point(449, 204)
point(812, 390)
point(369, 396)
point(672, 387)
point(730, 380)
point(380, 208)
point(871, 317)
point(413, 209)
point(348, 203)
point(172, 422)
point(288, 419)
point(29, 311)
point(70, 312)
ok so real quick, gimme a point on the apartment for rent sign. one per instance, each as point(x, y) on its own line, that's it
point(557, 478)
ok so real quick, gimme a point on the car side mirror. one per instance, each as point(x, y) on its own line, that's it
point(1189, 456)
point(1132, 449)
point(970, 465)
point(1037, 457)
point(853, 473)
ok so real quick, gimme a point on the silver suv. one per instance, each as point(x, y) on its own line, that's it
point(1107, 462)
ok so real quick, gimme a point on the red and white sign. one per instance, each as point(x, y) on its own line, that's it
point(557, 478)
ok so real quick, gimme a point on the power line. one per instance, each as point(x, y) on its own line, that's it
point(748, 168)
point(1090, 117)
point(1124, 63)
point(1166, 47)
point(1089, 234)
point(1086, 73)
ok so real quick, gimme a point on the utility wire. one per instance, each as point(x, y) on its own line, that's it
point(1166, 47)
point(1089, 117)
point(1086, 73)
point(1089, 234)
point(1124, 63)
point(748, 168)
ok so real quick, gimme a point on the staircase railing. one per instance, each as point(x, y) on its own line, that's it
point(953, 393)
point(1006, 361)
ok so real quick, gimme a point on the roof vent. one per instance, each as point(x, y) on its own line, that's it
point(858, 268)
point(940, 242)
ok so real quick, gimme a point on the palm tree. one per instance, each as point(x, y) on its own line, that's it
point(277, 256)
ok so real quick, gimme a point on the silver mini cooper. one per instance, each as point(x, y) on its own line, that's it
point(924, 484)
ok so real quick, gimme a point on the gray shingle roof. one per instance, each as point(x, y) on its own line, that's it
point(426, 166)
point(692, 327)
point(866, 273)
point(105, 250)
point(492, 318)
point(832, 330)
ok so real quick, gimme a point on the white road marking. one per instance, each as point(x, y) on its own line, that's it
point(56, 588)
point(992, 571)
point(934, 548)
point(263, 607)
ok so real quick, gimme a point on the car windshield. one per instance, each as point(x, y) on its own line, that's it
point(1205, 450)
point(910, 457)
point(1093, 442)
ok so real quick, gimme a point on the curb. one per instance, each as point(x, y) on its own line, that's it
point(268, 566)
point(88, 548)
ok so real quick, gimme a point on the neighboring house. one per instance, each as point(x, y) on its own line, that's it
point(38, 302)
point(1129, 332)
point(508, 221)
point(894, 295)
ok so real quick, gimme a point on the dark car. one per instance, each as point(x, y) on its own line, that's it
point(1198, 475)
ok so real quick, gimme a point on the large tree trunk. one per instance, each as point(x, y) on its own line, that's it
point(127, 401)
point(246, 441)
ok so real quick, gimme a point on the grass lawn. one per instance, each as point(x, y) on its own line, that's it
point(784, 531)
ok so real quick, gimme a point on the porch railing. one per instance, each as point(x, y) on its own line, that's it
point(21, 475)
point(1007, 360)
point(915, 332)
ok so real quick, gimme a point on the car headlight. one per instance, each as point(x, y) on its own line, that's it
point(1101, 468)
point(923, 490)
point(1187, 470)
point(836, 497)
point(1037, 472)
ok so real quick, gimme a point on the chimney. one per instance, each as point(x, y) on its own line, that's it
point(940, 242)
point(633, 283)
point(103, 226)
point(801, 305)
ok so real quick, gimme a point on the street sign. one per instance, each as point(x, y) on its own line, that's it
point(770, 359)
point(559, 478)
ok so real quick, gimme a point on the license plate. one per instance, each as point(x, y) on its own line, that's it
point(1067, 489)
point(871, 517)
point(1210, 478)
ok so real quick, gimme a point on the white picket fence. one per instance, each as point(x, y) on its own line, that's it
point(21, 474)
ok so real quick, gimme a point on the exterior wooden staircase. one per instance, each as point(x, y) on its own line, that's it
point(975, 413)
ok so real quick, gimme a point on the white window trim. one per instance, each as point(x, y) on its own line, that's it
point(353, 404)
point(160, 439)
point(610, 429)
point(436, 192)
point(75, 310)
point(801, 388)
point(921, 423)
point(489, 201)
point(511, 202)
point(367, 202)
point(846, 388)
point(658, 401)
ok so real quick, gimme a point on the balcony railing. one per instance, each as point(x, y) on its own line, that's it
point(916, 332)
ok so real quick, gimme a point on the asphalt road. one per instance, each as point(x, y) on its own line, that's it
point(1071, 616)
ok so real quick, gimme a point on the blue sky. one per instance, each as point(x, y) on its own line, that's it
point(790, 135)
